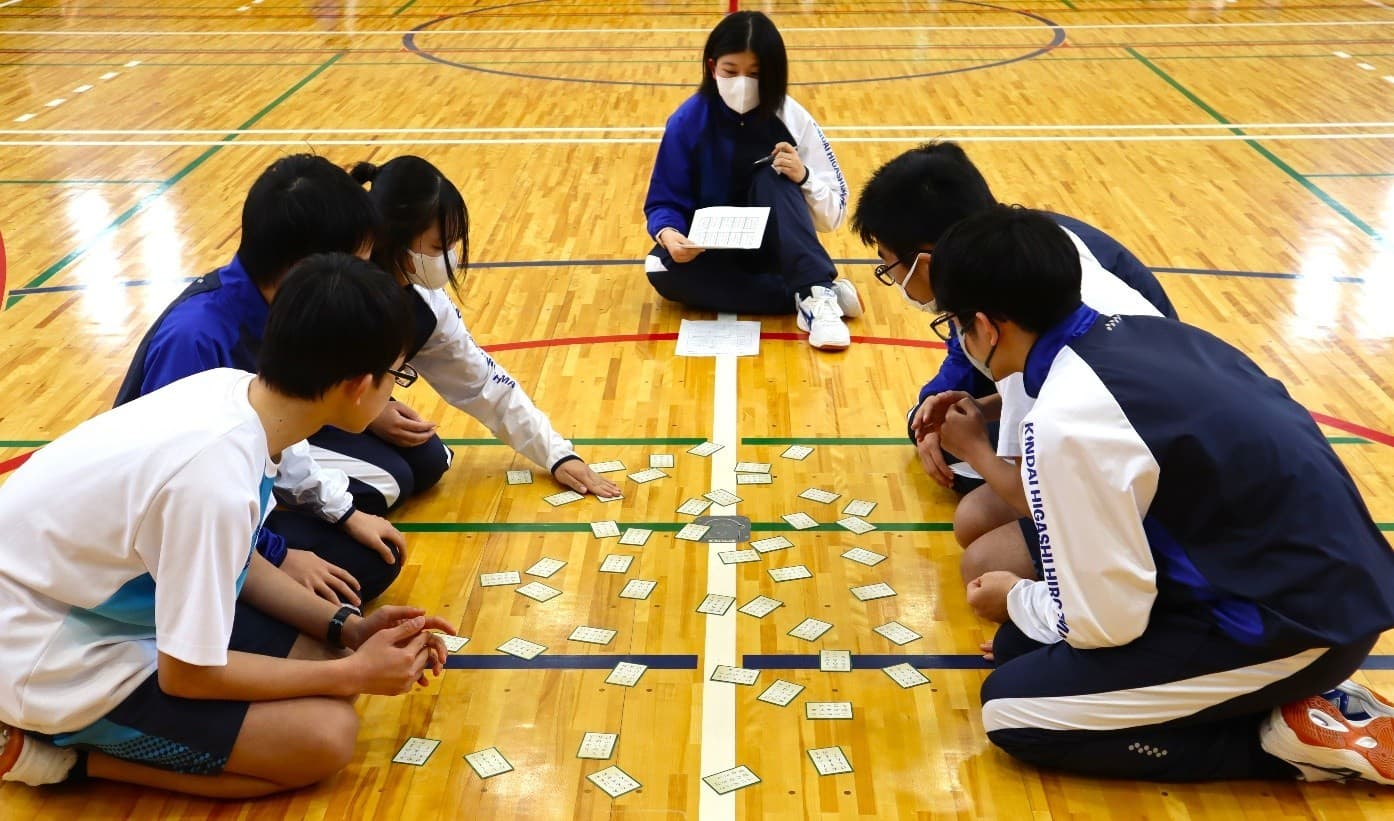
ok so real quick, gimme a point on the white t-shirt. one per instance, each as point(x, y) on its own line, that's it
point(128, 536)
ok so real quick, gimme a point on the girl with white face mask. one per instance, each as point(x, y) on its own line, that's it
point(423, 241)
point(742, 141)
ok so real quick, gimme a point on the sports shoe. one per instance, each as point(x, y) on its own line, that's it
point(820, 316)
point(31, 761)
point(1313, 736)
point(847, 298)
point(1359, 703)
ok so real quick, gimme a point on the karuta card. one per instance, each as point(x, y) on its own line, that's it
point(761, 606)
point(592, 635)
point(829, 760)
point(810, 629)
point(897, 633)
point(614, 781)
point(499, 579)
point(522, 648)
point(754, 479)
point(600, 498)
point(538, 591)
point(598, 745)
point(545, 568)
point(489, 763)
point(800, 521)
point(856, 525)
point(866, 557)
point(453, 644)
point(635, 536)
point(626, 674)
point(790, 573)
point(858, 507)
point(716, 604)
point(694, 507)
point(905, 675)
point(835, 661)
point(814, 494)
point(705, 449)
point(781, 693)
point(612, 466)
point(638, 589)
point(723, 497)
point(649, 475)
point(661, 460)
point(752, 467)
point(796, 452)
point(520, 477)
point(416, 751)
point(605, 529)
point(735, 675)
point(738, 556)
point(731, 780)
point(692, 533)
point(867, 592)
point(566, 497)
point(771, 544)
point(827, 709)
point(615, 563)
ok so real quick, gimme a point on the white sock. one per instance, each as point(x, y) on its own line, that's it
point(40, 763)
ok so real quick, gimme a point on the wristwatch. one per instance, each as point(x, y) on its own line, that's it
point(335, 636)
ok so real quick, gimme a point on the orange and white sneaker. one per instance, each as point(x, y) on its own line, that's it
point(31, 761)
point(1315, 736)
point(1358, 702)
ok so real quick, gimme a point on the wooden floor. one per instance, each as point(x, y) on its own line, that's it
point(1242, 148)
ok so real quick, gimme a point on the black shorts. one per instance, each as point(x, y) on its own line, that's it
point(1033, 543)
point(191, 736)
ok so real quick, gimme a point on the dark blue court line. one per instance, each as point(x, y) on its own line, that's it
point(547, 661)
point(868, 662)
point(782, 661)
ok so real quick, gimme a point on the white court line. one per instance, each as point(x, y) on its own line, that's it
point(718, 739)
point(8, 3)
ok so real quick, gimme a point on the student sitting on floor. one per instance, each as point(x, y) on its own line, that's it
point(1209, 567)
point(146, 640)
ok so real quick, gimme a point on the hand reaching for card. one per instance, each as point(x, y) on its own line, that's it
point(578, 476)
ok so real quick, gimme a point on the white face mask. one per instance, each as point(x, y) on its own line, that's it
point(930, 307)
point(981, 365)
point(740, 94)
point(431, 272)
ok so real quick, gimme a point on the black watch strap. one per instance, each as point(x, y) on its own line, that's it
point(335, 636)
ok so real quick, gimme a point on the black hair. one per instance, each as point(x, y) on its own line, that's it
point(412, 195)
point(1009, 263)
point(754, 32)
point(335, 317)
point(912, 200)
point(301, 205)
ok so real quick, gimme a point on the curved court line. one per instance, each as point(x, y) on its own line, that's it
point(1057, 39)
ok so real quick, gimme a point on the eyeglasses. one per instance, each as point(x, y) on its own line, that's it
point(882, 272)
point(404, 376)
point(943, 327)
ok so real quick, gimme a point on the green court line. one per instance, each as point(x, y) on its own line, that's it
point(404, 7)
point(23, 443)
point(656, 440)
point(80, 182)
point(166, 185)
point(1069, 5)
point(1312, 187)
point(1387, 527)
point(1356, 175)
point(660, 527)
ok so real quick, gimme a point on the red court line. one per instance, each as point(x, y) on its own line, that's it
point(13, 463)
point(669, 336)
point(1350, 427)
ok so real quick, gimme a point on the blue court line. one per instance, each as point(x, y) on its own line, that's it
point(665, 661)
point(868, 662)
point(780, 661)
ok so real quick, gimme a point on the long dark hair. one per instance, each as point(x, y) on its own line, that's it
point(754, 32)
point(411, 195)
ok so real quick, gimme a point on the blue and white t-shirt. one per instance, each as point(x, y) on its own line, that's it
point(127, 537)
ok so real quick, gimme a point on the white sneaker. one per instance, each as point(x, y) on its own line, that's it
point(847, 298)
point(31, 761)
point(820, 317)
point(1313, 736)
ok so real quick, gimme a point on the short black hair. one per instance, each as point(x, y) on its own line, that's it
point(301, 205)
point(335, 317)
point(411, 195)
point(912, 200)
point(1009, 263)
point(754, 32)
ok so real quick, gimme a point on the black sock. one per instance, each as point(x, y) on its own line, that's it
point(78, 773)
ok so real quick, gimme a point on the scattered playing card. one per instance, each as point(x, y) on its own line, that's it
point(810, 629)
point(771, 544)
point(734, 675)
point(614, 781)
point(705, 449)
point(692, 533)
point(865, 557)
point(661, 460)
point(615, 563)
point(898, 633)
point(790, 573)
point(723, 497)
point(453, 644)
point(827, 709)
point(538, 591)
point(716, 604)
point(521, 648)
point(731, 780)
point(648, 475)
point(738, 556)
point(636, 536)
point(800, 521)
point(499, 579)
point(752, 467)
point(814, 494)
point(858, 507)
point(781, 693)
point(830, 761)
point(489, 763)
point(416, 751)
point(867, 592)
point(856, 525)
point(600, 498)
point(592, 635)
point(796, 452)
point(835, 661)
point(520, 477)
point(754, 479)
point(598, 745)
point(605, 530)
point(761, 606)
point(545, 567)
point(566, 497)
point(638, 589)
point(905, 675)
point(626, 674)
point(694, 507)
point(612, 466)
